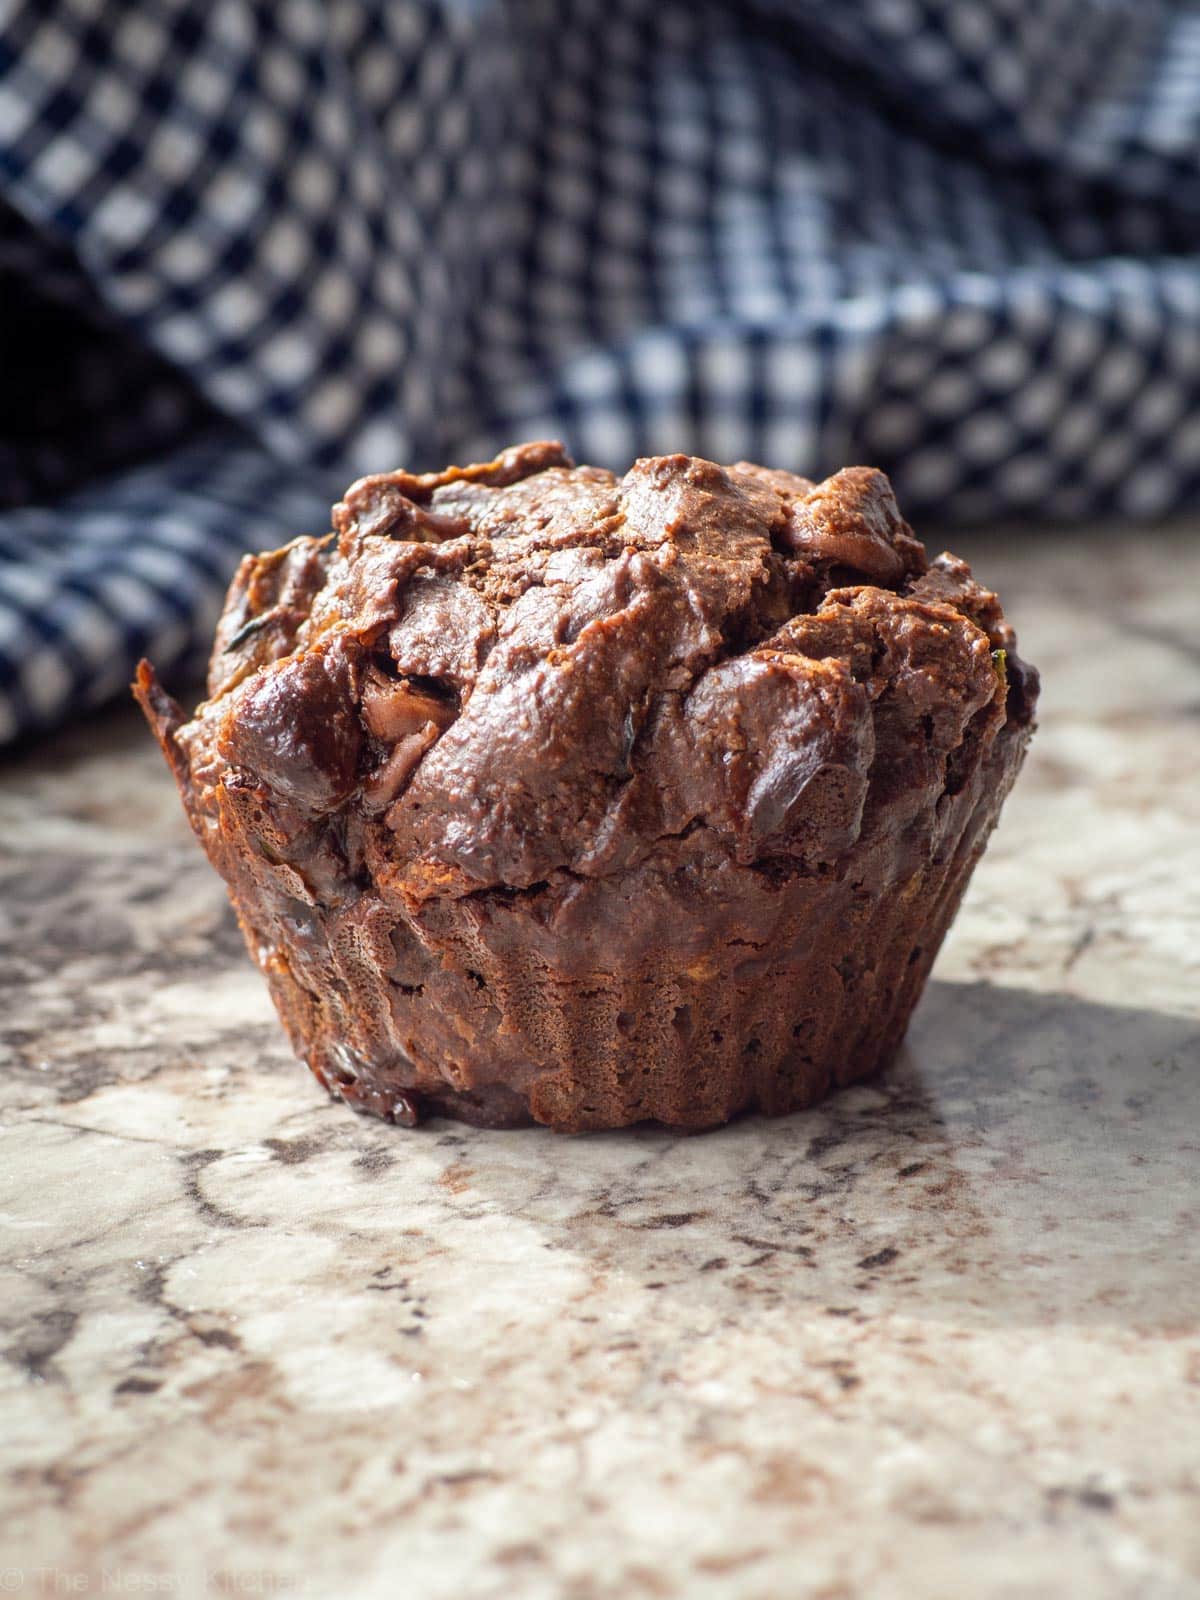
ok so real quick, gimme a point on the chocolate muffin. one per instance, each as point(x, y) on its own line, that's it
point(544, 794)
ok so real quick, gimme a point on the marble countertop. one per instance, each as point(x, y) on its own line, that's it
point(940, 1337)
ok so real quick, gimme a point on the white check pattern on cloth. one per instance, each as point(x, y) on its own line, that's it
point(249, 250)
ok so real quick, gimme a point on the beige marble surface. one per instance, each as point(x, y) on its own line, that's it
point(939, 1338)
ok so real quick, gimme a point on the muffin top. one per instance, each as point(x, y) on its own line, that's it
point(498, 673)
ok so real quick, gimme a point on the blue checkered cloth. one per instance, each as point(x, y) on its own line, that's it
point(251, 248)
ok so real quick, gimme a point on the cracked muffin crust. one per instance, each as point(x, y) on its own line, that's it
point(546, 794)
